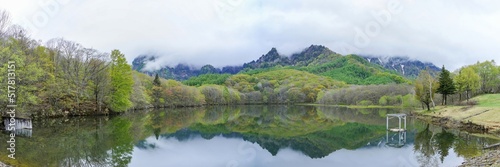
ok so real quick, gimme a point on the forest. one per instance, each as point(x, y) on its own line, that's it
point(61, 77)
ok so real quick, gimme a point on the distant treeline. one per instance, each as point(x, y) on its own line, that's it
point(384, 95)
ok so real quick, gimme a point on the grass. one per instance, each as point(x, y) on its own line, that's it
point(487, 112)
point(488, 100)
point(350, 106)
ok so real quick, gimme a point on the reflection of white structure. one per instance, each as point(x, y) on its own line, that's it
point(19, 123)
point(400, 141)
point(21, 126)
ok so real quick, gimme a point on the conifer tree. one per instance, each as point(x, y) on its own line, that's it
point(157, 91)
point(446, 85)
point(156, 82)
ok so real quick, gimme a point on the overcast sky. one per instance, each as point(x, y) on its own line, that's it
point(232, 32)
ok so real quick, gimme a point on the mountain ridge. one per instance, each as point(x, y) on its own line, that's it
point(308, 59)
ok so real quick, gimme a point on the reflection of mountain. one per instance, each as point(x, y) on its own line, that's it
point(315, 145)
point(110, 141)
point(314, 131)
point(322, 143)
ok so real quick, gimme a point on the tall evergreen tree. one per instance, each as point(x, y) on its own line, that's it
point(157, 91)
point(446, 85)
point(156, 82)
point(121, 82)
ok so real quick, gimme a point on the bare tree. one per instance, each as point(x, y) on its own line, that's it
point(4, 22)
point(81, 69)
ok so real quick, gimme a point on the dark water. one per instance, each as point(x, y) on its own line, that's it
point(245, 136)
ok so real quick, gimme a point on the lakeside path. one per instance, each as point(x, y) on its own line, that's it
point(486, 113)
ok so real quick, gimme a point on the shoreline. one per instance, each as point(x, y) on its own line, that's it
point(488, 158)
point(473, 119)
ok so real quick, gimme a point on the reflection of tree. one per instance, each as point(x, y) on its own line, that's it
point(103, 141)
point(432, 147)
point(154, 123)
point(424, 145)
point(121, 153)
point(467, 147)
point(429, 146)
point(444, 141)
point(80, 141)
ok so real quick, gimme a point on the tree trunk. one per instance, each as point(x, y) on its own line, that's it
point(430, 93)
point(428, 106)
point(467, 95)
point(445, 99)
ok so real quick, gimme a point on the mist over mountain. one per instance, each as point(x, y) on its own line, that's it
point(312, 56)
point(401, 64)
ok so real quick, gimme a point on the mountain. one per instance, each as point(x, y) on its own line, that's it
point(402, 65)
point(316, 59)
point(181, 71)
point(314, 53)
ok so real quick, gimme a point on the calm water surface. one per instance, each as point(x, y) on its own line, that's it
point(244, 136)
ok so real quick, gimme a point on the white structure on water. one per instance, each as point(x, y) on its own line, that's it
point(400, 141)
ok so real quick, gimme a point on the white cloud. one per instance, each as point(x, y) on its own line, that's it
point(231, 32)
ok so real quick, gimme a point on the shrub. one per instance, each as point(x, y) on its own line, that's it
point(383, 101)
point(365, 102)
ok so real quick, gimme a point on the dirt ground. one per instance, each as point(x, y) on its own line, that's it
point(486, 116)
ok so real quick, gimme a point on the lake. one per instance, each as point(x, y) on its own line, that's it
point(241, 136)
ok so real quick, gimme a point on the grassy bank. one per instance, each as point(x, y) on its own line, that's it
point(350, 106)
point(485, 113)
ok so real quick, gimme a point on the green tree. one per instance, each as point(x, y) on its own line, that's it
point(489, 76)
point(425, 87)
point(467, 80)
point(121, 82)
point(446, 85)
point(28, 75)
point(157, 91)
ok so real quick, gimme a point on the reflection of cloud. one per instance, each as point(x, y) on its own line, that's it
point(220, 151)
point(453, 33)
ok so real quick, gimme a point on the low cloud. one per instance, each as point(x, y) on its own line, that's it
point(232, 32)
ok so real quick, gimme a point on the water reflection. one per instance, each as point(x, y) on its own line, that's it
point(224, 151)
point(397, 139)
point(240, 136)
